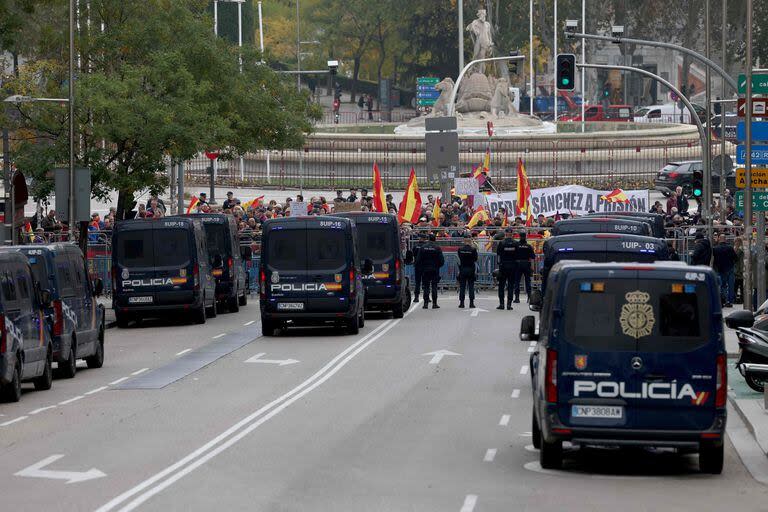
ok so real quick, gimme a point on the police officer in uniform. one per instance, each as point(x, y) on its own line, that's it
point(524, 256)
point(430, 259)
point(418, 270)
point(506, 254)
point(467, 258)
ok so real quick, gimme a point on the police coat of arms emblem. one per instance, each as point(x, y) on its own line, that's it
point(637, 318)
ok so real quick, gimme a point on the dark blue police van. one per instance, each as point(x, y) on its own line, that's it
point(601, 225)
point(310, 274)
point(26, 349)
point(654, 220)
point(75, 318)
point(629, 355)
point(378, 239)
point(225, 259)
point(161, 266)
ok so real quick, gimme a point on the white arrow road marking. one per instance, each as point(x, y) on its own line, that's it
point(469, 503)
point(515, 393)
point(524, 370)
point(477, 311)
point(36, 471)
point(504, 421)
point(490, 454)
point(282, 362)
point(438, 355)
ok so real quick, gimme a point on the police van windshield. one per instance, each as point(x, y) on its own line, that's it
point(313, 249)
point(632, 314)
point(39, 271)
point(375, 242)
point(153, 248)
point(606, 256)
point(218, 241)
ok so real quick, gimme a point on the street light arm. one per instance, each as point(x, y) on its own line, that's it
point(707, 62)
point(451, 106)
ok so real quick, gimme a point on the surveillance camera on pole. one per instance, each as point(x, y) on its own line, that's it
point(571, 26)
point(617, 32)
point(333, 66)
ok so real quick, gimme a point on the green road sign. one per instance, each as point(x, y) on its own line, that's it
point(759, 201)
point(759, 84)
point(427, 80)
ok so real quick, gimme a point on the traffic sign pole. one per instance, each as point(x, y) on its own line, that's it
point(748, 172)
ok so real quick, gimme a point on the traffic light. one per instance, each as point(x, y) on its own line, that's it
point(566, 71)
point(512, 64)
point(606, 90)
point(697, 184)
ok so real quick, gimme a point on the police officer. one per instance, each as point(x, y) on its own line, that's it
point(524, 256)
point(430, 259)
point(506, 254)
point(418, 270)
point(467, 258)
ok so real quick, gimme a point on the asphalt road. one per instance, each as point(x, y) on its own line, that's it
point(324, 421)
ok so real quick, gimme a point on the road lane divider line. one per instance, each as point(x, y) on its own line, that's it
point(504, 421)
point(11, 422)
point(94, 391)
point(245, 426)
point(469, 503)
point(75, 399)
point(246, 324)
point(118, 381)
point(183, 351)
point(524, 370)
point(139, 372)
point(515, 393)
point(490, 454)
point(220, 335)
point(41, 409)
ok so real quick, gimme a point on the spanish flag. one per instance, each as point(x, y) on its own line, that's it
point(479, 215)
point(436, 213)
point(192, 204)
point(505, 220)
point(410, 207)
point(617, 196)
point(28, 231)
point(379, 199)
point(523, 190)
point(253, 203)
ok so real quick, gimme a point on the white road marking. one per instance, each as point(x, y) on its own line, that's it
point(36, 471)
point(249, 323)
point(469, 503)
point(118, 381)
point(490, 454)
point(258, 359)
point(533, 343)
point(526, 434)
point(524, 370)
point(515, 393)
point(36, 411)
point(139, 372)
point(75, 399)
point(531, 350)
point(221, 335)
point(11, 422)
point(504, 421)
point(438, 355)
point(184, 351)
point(239, 430)
point(94, 391)
point(477, 311)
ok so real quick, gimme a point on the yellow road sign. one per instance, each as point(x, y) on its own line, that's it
point(759, 177)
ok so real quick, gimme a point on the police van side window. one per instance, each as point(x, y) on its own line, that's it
point(66, 279)
point(22, 282)
point(9, 292)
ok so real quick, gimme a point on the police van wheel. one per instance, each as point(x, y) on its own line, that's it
point(200, 316)
point(243, 300)
point(551, 455)
point(67, 369)
point(361, 319)
point(44, 382)
point(353, 325)
point(535, 432)
point(267, 327)
point(233, 304)
point(397, 311)
point(12, 391)
point(711, 456)
point(211, 312)
point(97, 359)
point(122, 320)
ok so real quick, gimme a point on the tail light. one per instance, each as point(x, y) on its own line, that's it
point(550, 385)
point(721, 387)
point(230, 262)
point(114, 278)
point(3, 343)
point(352, 287)
point(196, 276)
point(262, 284)
point(58, 318)
point(397, 271)
point(673, 174)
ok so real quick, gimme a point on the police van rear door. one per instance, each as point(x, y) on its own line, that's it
point(330, 266)
point(377, 241)
point(176, 270)
point(135, 265)
point(285, 266)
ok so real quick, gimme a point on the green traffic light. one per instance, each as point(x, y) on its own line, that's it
point(565, 81)
point(697, 192)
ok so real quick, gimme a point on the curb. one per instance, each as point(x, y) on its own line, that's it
point(735, 404)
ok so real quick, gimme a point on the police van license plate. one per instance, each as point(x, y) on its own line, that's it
point(140, 300)
point(597, 411)
point(290, 306)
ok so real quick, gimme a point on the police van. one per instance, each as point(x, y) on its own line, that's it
point(600, 248)
point(26, 350)
point(378, 239)
point(75, 318)
point(160, 266)
point(310, 274)
point(655, 220)
point(601, 225)
point(225, 259)
point(629, 355)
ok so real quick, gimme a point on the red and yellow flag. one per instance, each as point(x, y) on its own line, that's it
point(479, 215)
point(436, 213)
point(253, 203)
point(505, 220)
point(410, 206)
point(617, 196)
point(523, 190)
point(192, 204)
point(379, 199)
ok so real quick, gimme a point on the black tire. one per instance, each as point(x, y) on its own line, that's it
point(212, 309)
point(535, 431)
point(361, 319)
point(122, 320)
point(45, 381)
point(711, 455)
point(12, 391)
point(233, 304)
point(551, 454)
point(397, 311)
point(97, 359)
point(68, 369)
point(221, 308)
point(755, 383)
point(199, 315)
point(267, 327)
point(243, 299)
point(408, 299)
point(353, 326)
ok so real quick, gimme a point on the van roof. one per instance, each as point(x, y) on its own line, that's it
point(305, 221)
point(580, 237)
point(622, 219)
point(678, 267)
point(218, 218)
point(11, 256)
point(139, 224)
point(361, 217)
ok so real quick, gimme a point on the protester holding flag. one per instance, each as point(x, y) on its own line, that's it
point(436, 214)
point(410, 207)
point(379, 203)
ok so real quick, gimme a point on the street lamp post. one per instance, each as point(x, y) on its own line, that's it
point(71, 205)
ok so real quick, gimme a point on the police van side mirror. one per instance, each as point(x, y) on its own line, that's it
point(743, 318)
point(98, 288)
point(367, 267)
point(535, 301)
point(528, 329)
point(409, 257)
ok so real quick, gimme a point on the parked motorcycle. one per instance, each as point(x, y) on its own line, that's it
point(752, 333)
